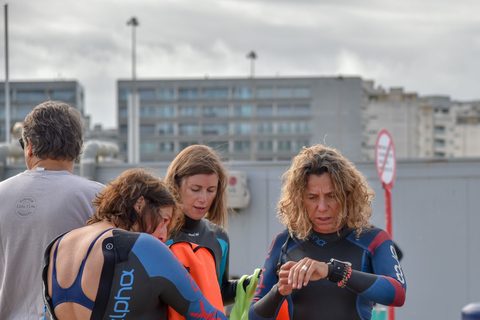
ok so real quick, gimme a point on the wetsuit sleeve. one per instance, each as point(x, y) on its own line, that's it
point(180, 291)
point(267, 299)
point(385, 283)
point(227, 286)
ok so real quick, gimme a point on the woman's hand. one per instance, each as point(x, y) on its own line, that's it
point(295, 275)
point(285, 288)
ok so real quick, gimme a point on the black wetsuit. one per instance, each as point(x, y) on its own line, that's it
point(376, 277)
point(204, 233)
point(140, 278)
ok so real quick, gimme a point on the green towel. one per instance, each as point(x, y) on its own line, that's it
point(243, 298)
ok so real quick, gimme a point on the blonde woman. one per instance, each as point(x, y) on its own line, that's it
point(327, 264)
point(198, 181)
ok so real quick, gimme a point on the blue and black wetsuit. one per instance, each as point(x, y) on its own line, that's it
point(204, 233)
point(140, 278)
point(376, 277)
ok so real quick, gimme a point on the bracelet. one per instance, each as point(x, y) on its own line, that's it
point(344, 281)
point(339, 272)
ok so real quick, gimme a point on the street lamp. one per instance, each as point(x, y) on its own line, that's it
point(133, 121)
point(252, 56)
point(7, 82)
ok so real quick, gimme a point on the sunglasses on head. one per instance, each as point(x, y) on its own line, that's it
point(22, 144)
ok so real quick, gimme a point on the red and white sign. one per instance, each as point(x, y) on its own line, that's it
point(385, 158)
point(386, 168)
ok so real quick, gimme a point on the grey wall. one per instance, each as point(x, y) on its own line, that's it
point(435, 209)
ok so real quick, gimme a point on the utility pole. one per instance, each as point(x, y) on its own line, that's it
point(133, 130)
point(7, 83)
point(252, 56)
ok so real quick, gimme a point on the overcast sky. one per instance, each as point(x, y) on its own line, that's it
point(425, 46)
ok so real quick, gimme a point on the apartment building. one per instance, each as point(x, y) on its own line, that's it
point(394, 110)
point(260, 119)
point(456, 130)
point(26, 95)
point(421, 127)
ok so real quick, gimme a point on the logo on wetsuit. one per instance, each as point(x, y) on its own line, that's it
point(121, 307)
point(317, 240)
point(398, 269)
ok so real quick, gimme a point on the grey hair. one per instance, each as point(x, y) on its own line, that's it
point(55, 131)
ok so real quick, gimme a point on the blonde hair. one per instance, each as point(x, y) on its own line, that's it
point(351, 190)
point(193, 160)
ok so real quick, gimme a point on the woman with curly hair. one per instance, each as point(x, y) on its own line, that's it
point(325, 206)
point(113, 268)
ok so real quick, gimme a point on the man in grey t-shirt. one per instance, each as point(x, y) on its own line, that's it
point(40, 203)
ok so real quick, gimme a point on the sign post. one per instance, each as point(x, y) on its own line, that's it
point(386, 162)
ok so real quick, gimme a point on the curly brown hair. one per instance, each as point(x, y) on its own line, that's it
point(116, 202)
point(351, 190)
point(193, 160)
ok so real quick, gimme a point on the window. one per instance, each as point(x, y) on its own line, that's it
point(166, 112)
point(439, 143)
point(284, 127)
point(241, 146)
point(147, 112)
point(188, 129)
point(123, 112)
point(265, 146)
point(30, 96)
point(265, 110)
point(189, 111)
point(2, 95)
point(242, 111)
point(22, 112)
point(302, 127)
point(241, 128)
point(284, 110)
point(146, 94)
point(123, 129)
point(166, 147)
point(219, 146)
point(185, 144)
point(284, 145)
point(216, 129)
point(242, 93)
point(166, 94)
point(284, 93)
point(215, 111)
point(299, 144)
point(439, 130)
point(187, 93)
point(264, 93)
point(264, 127)
point(147, 130)
point(62, 95)
point(301, 93)
point(124, 93)
point(147, 147)
point(215, 93)
point(302, 110)
point(166, 129)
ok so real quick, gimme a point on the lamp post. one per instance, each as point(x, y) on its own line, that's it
point(7, 83)
point(252, 56)
point(133, 131)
